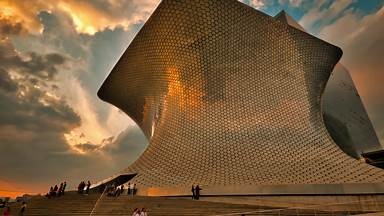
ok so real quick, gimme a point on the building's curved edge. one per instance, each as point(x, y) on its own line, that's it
point(339, 128)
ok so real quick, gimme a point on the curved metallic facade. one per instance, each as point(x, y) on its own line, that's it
point(228, 96)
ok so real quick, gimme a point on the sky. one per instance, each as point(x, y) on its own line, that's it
point(54, 55)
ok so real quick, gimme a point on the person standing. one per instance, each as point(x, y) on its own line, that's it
point(83, 185)
point(60, 189)
point(136, 212)
point(129, 189)
point(88, 186)
point(64, 185)
point(132, 189)
point(193, 192)
point(55, 190)
point(197, 192)
point(50, 192)
point(143, 212)
point(22, 209)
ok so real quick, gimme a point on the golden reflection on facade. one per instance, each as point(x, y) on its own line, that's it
point(185, 97)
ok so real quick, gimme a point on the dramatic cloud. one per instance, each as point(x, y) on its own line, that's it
point(88, 16)
point(52, 125)
point(8, 27)
point(33, 149)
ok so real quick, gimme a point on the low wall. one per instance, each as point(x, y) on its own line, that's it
point(305, 189)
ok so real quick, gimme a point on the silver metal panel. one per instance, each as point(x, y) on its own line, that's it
point(344, 114)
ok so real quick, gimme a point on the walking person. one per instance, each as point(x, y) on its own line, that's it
point(193, 192)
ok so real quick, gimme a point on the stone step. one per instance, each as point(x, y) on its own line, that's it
point(79, 205)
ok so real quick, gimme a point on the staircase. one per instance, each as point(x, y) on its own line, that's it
point(124, 205)
point(75, 204)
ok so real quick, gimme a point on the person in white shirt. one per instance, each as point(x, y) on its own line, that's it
point(132, 189)
point(143, 212)
point(136, 212)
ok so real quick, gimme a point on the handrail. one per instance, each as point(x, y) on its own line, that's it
point(97, 202)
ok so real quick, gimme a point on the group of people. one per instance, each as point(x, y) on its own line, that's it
point(57, 191)
point(138, 212)
point(83, 187)
point(195, 192)
point(131, 189)
point(115, 191)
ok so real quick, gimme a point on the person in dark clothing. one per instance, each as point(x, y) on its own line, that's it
point(63, 190)
point(23, 208)
point(134, 189)
point(55, 190)
point(88, 186)
point(193, 192)
point(60, 189)
point(51, 191)
point(129, 189)
point(83, 186)
point(197, 192)
point(79, 188)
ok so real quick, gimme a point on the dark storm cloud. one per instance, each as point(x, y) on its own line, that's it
point(33, 148)
point(6, 83)
point(86, 147)
point(32, 64)
point(24, 111)
point(59, 31)
point(32, 145)
point(99, 52)
point(128, 144)
point(8, 27)
point(31, 123)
